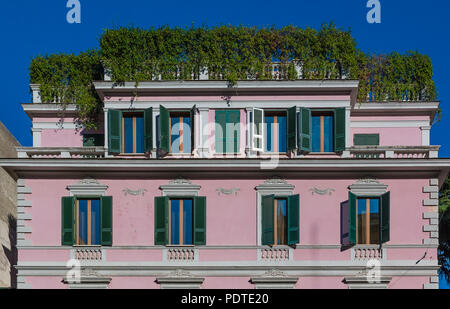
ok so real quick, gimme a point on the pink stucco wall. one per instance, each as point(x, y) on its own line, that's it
point(320, 222)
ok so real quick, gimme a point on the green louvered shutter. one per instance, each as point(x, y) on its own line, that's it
point(200, 221)
point(385, 217)
point(268, 224)
point(221, 125)
point(164, 131)
point(233, 134)
point(352, 203)
point(292, 129)
point(193, 135)
point(305, 129)
point(107, 220)
point(293, 217)
point(115, 131)
point(339, 129)
point(67, 221)
point(148, 130)
point(161, 221)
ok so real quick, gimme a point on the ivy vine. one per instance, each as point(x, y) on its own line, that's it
point(230, 53)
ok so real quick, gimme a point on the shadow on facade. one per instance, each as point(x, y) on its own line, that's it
point(11, 254)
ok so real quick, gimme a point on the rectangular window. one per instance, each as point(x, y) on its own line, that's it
point(180, 133)
point(88, 224)
point(228, 131)
point(276, 132)
point(181, 222)
point(280, 221)
point(322, 132)
point(133, 133)
point(368, 221)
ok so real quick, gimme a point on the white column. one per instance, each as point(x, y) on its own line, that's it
point(348, 135)
point(204, 127)
point(37, 137)
point(35, 89)
point(426, 135)
point(105, 111)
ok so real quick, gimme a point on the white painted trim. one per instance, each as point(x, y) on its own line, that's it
point(56, 126)
point(37, 137)
point(388, 124)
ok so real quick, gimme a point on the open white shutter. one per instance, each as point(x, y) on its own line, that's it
point(258, 130)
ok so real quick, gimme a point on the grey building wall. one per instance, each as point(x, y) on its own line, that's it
point(8, 195)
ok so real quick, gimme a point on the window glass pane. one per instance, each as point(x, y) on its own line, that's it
point(281, 218)
point(95, 222)
point(128, 134)
point(188, 222)
point(268, 120)
point(368, 221)
point(276, 133)
point(322, 133)
point(362, 222)
point(187, 147)
point(175, 222)
point(374, 221)
point(180, 136)
point(328, 139)
point(316, 142)
point(140, 135)
point(82, 222)
point(282, 134)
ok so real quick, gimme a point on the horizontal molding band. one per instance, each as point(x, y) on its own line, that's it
point(249, 247)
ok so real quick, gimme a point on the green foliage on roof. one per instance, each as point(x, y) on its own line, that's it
point(231, 53)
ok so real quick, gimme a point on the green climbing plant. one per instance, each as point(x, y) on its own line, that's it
point(230, 53)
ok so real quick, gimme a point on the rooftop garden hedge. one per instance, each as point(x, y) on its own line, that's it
point(230, 53)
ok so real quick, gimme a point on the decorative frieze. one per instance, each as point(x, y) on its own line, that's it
point(134, 192)
point(327, 191)
point(233, 191)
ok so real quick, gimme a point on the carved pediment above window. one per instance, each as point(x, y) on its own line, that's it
point(275, 181)
point(180, 181)
point(87, 187)
point(368, 186)
point(180, 187)
point(276, 184)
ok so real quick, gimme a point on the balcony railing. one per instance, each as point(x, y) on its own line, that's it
point(64, 153)
point(274, 254)
point(181, 254)
point(367, 252)
point(394, 152)
point(88, 254)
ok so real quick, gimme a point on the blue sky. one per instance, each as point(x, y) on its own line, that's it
point(33, 27)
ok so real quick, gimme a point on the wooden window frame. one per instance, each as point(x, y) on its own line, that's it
point(89, 223)
point(181, 244)
point(322, 113)
point(275, 113)
point(367, 240)
point(275, 218)
point(179, 114)
point(134, 115)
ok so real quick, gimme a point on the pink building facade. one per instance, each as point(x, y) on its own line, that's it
point(269, 184)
